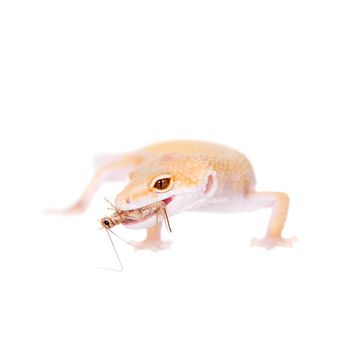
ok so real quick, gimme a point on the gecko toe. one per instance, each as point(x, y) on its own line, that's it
point(269, 243)
point(153, 245)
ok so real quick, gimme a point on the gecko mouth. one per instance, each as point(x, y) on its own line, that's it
point(136, 216)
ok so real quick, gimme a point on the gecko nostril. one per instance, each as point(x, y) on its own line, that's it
point(127, 200)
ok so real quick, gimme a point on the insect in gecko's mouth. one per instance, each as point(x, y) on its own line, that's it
point(142, 214)
point(136, 216)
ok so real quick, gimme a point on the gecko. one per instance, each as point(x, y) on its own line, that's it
point(187, 176)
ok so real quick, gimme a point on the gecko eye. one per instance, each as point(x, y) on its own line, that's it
point(162, 184)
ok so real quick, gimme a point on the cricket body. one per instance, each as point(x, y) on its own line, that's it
point(184, 176)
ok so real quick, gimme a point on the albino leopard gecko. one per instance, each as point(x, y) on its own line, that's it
point(187, 175)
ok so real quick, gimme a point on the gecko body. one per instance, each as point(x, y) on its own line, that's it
point(188, 175)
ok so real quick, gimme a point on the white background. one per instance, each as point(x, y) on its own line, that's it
point(80, 78)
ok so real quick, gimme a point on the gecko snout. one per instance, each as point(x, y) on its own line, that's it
point(124, 200)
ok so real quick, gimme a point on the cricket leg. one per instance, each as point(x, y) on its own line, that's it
point(278, 202)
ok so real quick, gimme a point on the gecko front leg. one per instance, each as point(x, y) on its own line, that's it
point(279, 203)
point(153, 240)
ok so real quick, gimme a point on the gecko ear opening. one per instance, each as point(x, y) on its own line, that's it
point(210, 186)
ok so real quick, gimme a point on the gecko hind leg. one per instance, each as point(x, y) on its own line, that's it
point(116, 170)
point(279, 203)
point(153, 240)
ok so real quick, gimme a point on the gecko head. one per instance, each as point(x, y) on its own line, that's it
point(182, 182)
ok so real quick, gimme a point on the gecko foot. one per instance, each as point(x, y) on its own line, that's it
point(154, 245)
point(269, 243)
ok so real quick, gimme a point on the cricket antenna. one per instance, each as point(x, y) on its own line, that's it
point(122, 239)
point(115, 250)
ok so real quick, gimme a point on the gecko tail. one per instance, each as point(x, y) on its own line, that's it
point(101, 160)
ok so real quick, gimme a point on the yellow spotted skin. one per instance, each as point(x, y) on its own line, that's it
point(186, 156)
point(232, 168)
point(188, 162)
